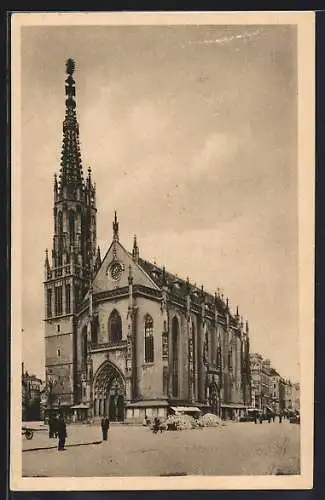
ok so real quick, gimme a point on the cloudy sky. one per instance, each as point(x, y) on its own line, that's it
point(191, 135)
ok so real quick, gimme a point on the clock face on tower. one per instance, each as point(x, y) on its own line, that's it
point(115, 270)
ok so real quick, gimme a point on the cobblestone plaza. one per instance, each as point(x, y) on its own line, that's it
point(230, 449)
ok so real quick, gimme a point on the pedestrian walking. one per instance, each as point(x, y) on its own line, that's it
point(62, 433)
point(280, 418)
point(105, 426)
point(156, 425)
point(55, 426)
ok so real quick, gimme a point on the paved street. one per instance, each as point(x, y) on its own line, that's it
point(233, 449)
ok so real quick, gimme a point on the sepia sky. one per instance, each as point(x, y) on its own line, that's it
point(191, 133)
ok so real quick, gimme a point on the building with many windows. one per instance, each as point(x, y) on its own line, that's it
point(125, 337)
point(269, 389)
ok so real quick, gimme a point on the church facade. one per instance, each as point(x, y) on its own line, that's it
point(124, 337)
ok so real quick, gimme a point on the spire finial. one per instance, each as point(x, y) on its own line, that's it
point(115, 228)
point(237, 312)
point(135, 250)
point(70, 66)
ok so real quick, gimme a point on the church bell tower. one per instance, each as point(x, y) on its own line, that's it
point(73, 257)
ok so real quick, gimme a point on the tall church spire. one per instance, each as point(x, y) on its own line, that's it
point(71, 168)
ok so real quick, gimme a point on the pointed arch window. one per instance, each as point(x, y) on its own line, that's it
point(72, 219)
point(230, 359)
point(68, 298)
point(115, 327)
point(219, 357)
point(148, 339)
point(49, 303)
point(60, 223)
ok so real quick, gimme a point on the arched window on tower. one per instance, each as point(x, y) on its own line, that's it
point(148, 339)
point(114, 327)
point(72, 219)
point(60, 223)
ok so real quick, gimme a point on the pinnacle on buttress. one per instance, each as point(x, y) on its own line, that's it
point(47, 258)
point(164, 277)
point(47, 264)
point(247, 327)
point(98, 260)
point(56, 187)
point(135, 250)
point(115, 228)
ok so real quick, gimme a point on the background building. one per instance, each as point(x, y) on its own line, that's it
point(291, 396)
point(124, 336)
point(31, 392)
point(269, 389)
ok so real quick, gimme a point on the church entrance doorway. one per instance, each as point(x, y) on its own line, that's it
point(109, 392)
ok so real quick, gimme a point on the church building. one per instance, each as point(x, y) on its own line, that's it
point(124, 337)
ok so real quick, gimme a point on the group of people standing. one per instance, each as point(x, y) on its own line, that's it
point(58, 429)
point(269, 416)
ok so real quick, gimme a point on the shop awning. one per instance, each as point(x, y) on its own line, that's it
point(81, 406)
point(188, 409)
point(147, 404)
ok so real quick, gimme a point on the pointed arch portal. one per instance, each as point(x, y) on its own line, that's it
point(109, 392)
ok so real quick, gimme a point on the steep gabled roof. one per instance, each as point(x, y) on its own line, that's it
point(180, 287)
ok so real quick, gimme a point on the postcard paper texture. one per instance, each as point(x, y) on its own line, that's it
point(162, 249)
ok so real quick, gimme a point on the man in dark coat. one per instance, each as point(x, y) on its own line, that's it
point(62, 433)
point(105, 426)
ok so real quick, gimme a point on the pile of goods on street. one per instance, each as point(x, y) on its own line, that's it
point(179, 423)
point(210, 420)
